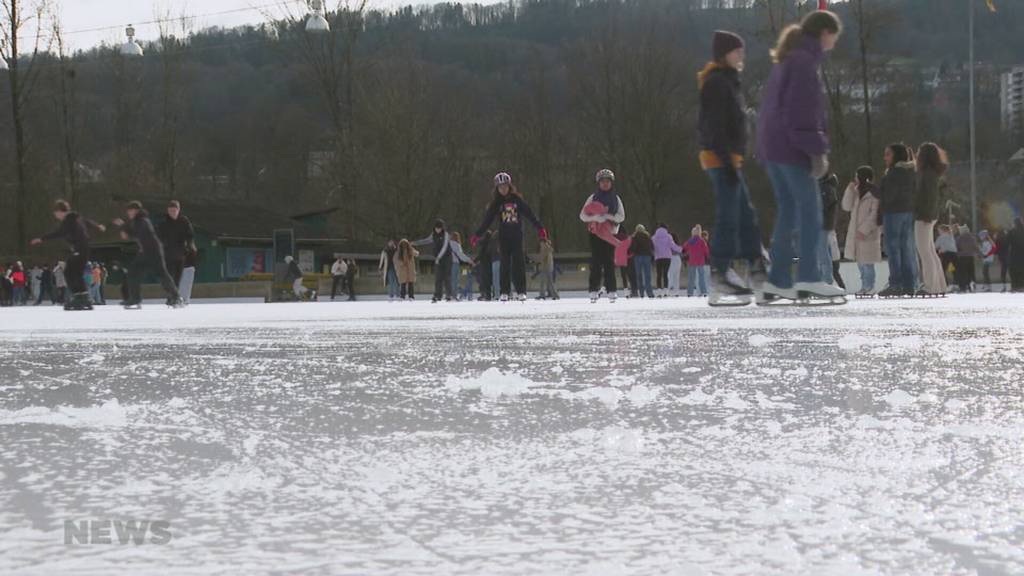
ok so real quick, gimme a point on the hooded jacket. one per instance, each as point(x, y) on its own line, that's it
point(926, 199)
point(722, 121)
point(896, 191)
point(792, 122)
point(73, 229)
point(664, 245)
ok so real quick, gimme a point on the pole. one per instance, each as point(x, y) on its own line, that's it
point(974, 166)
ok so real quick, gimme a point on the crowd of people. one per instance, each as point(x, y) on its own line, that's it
point(898, 211)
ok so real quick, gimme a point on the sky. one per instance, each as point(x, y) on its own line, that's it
point(81, 17)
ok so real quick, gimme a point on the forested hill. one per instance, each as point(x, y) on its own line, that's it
point(405, 116)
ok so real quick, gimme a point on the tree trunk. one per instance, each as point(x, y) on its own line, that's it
point(864, 81)
point(21, 194)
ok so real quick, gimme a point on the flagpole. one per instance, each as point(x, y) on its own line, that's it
point(974, 167)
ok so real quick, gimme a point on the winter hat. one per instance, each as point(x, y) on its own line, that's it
point(724, 42)
point(640, 228)
point(134, 205)
point(696, 230)
point(288, 259)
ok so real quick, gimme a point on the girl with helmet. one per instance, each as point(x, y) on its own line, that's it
point(603, 212)
point(509, 204)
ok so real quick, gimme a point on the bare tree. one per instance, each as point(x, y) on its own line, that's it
point(23, 73)
point(67, 107)
point(171, 48)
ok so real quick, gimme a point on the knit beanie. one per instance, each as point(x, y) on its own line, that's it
point(724, 42)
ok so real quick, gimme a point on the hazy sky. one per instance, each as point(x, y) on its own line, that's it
point(80, 17)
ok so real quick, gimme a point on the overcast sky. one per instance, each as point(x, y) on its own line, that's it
point(114, 15)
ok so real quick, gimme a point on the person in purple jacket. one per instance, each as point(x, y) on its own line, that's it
point(793, 145)
point(664, 248)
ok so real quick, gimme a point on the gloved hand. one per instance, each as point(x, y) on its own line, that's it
point(819, 166)
point(543, 233)
point(473, 240)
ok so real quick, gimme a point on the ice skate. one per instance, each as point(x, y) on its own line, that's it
point(504, 298)
point(890, 292)
point(770, 295)
point(819, 294)
point(521, 297)
point(79, 302)
point(612, 297)
point(729, 290)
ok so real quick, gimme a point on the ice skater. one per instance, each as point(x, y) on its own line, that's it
point(405, 269)
point(294, 275)
point(603, 212)
point(931, 166)
point(441, 242)
point(150, 257)
point(896, 193)
point(722, 130)
point(864, 235)
point(794, 145)
point(509, 204)
point(74, 230)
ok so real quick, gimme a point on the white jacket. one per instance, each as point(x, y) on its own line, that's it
point(339, 268)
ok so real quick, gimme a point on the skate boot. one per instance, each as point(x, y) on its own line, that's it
point(757, 275)
point(521, 297)
point(770, 294)
point(612, 297)
point(133, 305)
point(175, 303)
point(504, 298)
point(819, 293)
point(890, 292)
point(594, 296)
point(728, 290)
point(80, 301)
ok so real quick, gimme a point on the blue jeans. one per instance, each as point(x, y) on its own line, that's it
point(825, 259)
point(737, 233)
point(392, 282)
point(456, 272)
point(798, 214)
point(467, 290)
point(867, 277)
point(696, 279)
point(495, 277)
point(902, 250)
point(643, 265)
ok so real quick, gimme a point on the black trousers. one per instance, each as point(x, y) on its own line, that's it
point(513, 266)
point(602, 265)
point(74, 272)
point(143, 263)
point(661, 267)
point(407, 290)
point(965, 272)
point(351, 283)
point(486, 277)
point(443, 278)
point(337, 281)
point(837, 276)
point(174, 267)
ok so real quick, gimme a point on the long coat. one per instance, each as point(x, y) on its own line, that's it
point(864, 219)
point(406, 268)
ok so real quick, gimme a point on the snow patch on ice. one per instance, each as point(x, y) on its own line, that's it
point(853, 342)
point(622, 440)
point(760, 340)
point(641, 395)
point(493, 383)
point(109, 414)
point(899, 399)
point(610, 397)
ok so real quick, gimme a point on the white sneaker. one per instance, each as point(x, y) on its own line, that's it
point(593, 297)
point(819, 289)
point(504, 298)
point(612, 296)
point(521, 297)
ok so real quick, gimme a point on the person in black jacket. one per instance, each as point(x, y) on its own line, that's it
point(896, 215)
point(932, 163)
point(74, 230)
point(510, 204)
point(722, 128)
point(829, 187)
point(178, 238)
point(642, 251)
point(150, 257)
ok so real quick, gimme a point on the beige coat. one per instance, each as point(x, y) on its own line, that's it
point(406, 269)
point(863, 219)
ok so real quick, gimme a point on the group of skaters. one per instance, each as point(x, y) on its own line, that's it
point(25, 286)
point(167, 251)
point(900, 209)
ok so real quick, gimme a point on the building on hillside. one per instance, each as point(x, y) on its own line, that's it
point(1012, 100)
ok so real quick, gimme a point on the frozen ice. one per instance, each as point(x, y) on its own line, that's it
point(649, 437)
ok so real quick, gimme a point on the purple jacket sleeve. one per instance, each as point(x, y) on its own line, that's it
point(804, 108)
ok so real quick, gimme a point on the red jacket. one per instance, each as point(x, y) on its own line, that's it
point(697, 251)
point(18, 279)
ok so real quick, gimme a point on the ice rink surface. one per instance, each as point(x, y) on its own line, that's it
point(644, 437)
